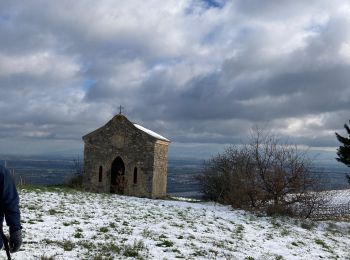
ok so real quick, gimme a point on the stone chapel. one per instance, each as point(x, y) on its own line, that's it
point(125, 158)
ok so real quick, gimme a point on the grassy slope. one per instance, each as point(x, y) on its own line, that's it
point(64, 224)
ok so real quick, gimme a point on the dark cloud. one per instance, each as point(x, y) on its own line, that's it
point(199, 72)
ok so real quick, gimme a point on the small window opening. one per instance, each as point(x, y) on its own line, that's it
point(100, 174)
point(135, 175)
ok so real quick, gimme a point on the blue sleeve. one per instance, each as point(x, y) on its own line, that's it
point(9, 200)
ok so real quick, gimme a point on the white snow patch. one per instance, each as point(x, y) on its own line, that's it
point(79, 225)
point(150, 132)
point(339, 196)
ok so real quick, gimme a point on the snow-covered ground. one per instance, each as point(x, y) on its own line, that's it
point(76, 225)
point(338, 197)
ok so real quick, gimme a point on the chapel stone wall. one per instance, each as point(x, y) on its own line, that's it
point(137, 149)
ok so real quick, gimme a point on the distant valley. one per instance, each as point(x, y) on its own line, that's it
point(40, 170)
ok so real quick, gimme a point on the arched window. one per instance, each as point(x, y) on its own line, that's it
point(135, 175)
point(100, 174)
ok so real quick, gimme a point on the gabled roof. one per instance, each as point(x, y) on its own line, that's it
point(139, 127)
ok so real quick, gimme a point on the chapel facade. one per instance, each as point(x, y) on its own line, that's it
point(125, 158)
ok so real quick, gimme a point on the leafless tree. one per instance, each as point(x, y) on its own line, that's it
point(75, 180)
point(77, 165)
point(263, 174)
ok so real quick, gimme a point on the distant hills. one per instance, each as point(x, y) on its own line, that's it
point(53, 169)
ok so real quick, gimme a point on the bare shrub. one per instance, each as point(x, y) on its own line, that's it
point(265, 174)
point(227, 178)
point(310, 203)
point(75, 181)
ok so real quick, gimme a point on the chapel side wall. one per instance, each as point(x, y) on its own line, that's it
point(88, 175)
point(160, 169)
point(92, 163)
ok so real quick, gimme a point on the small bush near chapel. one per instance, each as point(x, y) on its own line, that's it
point(75, 181)
point(264, 174)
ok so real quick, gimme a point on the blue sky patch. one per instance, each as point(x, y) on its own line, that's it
point(4, 18)
point(200, 6)
point(214, 3)
point(87, 84)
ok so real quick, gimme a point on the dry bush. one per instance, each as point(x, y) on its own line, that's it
point(265, 174)
point(75, 181)
point(229, 178)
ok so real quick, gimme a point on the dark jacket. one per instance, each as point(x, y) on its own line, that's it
point(9, 202)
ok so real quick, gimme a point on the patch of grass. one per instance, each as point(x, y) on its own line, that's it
point(323, 244)
point(134, 250)
point(49, 241)
point(87, 245)
point(285, 232)
point(146, 233)
point(68, 245)
point(111, 248)
point(212, 251)
point(78, 235)
point(191, 237)
point(165, 243)
point(41, 188)
point(125, 231)
point(103, 229)
point(239, 231)
point(333, 228)
point(308, 225)
point(275, 223)
point(297, 243)
point(294, 244)
point(175, 250)
point(239, 228)
point(32, 207)
point(219, 244)
point(199, 253)
point(112, 225)
point(249, 258)
point(53, 212)
point(74, 222)
point(269, 236)
point(162, 236)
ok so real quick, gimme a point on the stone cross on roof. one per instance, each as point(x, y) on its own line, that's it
point(120, 110)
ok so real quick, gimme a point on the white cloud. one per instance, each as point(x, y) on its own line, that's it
point(39, 64)
point(193, 72)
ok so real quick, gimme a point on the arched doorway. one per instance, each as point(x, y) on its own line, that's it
point(118, 180)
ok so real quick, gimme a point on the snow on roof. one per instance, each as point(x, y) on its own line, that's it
point(150, 132)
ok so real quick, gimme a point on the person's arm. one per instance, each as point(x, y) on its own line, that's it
point(10, 201)
point(10, 208)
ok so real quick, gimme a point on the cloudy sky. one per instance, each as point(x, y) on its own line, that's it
point(201, 73)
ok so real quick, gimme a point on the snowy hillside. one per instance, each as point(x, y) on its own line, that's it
point(62, 224)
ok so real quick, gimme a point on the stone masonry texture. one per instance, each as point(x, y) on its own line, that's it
point(142, 155)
